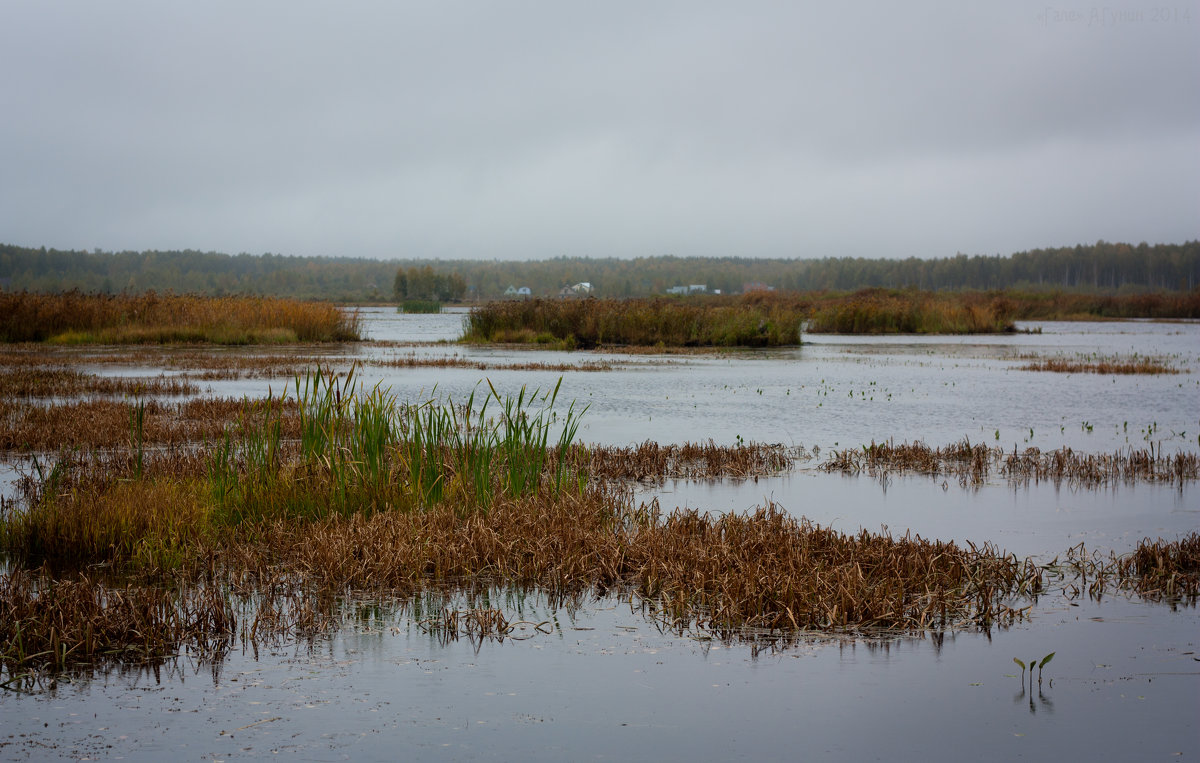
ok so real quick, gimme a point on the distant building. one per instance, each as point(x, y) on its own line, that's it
point(756, 286)
point(511, 291)
point(524, 292)
point(695, 288)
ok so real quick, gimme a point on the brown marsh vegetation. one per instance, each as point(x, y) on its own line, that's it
point(68, 382)
point(150, 318)
point(973, 464)
point(104, 423)
point(266, 511)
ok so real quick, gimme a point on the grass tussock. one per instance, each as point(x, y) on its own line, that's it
point(973, 464)
point(150, 318)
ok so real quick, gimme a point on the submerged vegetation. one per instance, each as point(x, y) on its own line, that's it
point(150, 318)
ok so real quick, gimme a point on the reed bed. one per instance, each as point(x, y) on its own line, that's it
point(973, 464)
point(1071, 306)
point(56, 624)
point(150, 318)
point(651, 462)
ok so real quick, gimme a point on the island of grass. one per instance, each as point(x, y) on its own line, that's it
point(774, 319)
point(77, 318)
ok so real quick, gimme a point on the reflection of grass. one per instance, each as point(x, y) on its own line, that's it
point(76, 318)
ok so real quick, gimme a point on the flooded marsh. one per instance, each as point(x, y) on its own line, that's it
point(653, 664)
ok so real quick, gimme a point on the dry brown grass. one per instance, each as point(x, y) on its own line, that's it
point(973, 464)
point(1165, 569)
point(66, 382)
point(1157, 570)
point(106, 423)
point(723, 574)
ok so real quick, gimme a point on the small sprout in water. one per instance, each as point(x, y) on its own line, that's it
point(997, 434)
point(1041, 665)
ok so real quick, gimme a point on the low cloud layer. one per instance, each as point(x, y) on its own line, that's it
point(536, 129)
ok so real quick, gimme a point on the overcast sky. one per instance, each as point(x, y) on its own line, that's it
point(524, 130)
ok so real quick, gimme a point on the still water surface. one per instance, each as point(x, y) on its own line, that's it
point(605, 683)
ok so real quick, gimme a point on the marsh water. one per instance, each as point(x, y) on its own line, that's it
point(600, 680)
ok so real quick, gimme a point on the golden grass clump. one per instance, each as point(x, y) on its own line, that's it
point(77, 318)
point(149, 524)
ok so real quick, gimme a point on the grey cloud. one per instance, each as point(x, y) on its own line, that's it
point(531, 129)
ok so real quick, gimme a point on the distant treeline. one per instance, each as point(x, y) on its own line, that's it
point(1098, 268)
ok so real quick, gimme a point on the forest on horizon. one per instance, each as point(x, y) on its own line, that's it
point(1103, 267)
